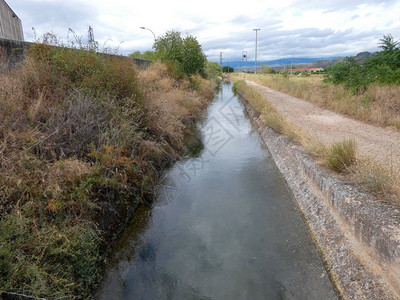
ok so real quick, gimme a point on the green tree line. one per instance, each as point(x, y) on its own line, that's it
point(383, 67)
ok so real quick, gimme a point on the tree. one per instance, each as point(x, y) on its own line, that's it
point(387, 43)
point(193, 59)
point(145, 55)
point(213, 69)
point(228, 69)
point(267, 70)
point(381, 67)
point(184, 52)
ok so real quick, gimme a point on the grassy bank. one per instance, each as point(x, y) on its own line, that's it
point(377, 104)
point(82, 140)
point(341, 157)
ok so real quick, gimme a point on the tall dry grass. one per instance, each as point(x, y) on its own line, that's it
point(170, 103)
point(341, 157)
point(378, 104)
point(81, 135)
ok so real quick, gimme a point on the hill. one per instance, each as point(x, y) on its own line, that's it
point(277, 62)
point(300, 62)
point(361, 58)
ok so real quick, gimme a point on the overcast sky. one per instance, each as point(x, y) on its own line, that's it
point(289, 28)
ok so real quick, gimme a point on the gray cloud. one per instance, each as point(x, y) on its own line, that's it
point(338, 5)
point(56, 17)
point(306, 42)
point(273, 40)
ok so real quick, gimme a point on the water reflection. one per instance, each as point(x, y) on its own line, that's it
point(224, 226)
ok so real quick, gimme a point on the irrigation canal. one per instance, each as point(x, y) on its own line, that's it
point(224, 225)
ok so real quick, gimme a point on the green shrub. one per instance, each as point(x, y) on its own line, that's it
point(150, 55)
point(185, 53)
point(228, 69)
point(236, 86)
point(383, 67)
point(47, 259)
point(213, 70)
point(77, 142)
point(265, 69)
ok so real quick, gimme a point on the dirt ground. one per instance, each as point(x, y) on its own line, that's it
point(379, 143)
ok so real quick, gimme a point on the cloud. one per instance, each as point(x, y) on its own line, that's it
point(339, 5)
point(288, 27)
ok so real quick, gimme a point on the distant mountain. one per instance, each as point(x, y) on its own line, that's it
point(361, 58)
point(299, 62)
point(277, 62)
point(321, 63)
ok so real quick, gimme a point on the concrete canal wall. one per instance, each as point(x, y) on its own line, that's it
point(357, 235)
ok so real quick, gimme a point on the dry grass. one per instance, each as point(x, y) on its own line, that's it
point(379, 105)
point(81, 135)
point(342, 157)
point(170, 102)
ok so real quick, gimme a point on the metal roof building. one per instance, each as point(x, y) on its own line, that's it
point(10, 24)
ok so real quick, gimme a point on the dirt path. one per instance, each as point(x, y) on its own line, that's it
point(329, 127)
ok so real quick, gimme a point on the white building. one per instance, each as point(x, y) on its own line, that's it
point(10, 24)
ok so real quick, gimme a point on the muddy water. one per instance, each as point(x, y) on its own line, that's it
point(223, 227)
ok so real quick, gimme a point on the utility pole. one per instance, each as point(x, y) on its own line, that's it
point(91, 40)
point(291, 67)
point(244, 59)
point(255, 61)
point(220, 61)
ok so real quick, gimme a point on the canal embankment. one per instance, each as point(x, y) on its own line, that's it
point(357, 235)
point(223, 226)
point(83, 140)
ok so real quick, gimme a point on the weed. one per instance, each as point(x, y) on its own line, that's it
point(378, 104)
point(377, 178)
point(81, 134)
point(342, 155)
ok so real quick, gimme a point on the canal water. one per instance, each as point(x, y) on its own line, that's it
point(224, 225)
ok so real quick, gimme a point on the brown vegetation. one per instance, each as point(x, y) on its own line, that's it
point(378, 104)
point(81, 137)
point(342, 157)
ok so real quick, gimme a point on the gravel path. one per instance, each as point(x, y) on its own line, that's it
point(329, 127)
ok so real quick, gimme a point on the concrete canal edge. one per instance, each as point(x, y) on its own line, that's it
point(358, 236)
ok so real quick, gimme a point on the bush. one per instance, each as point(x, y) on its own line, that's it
point(150, 55)
point(185, 52)
point(227, 69)
point(342, 155)
point(79, 147)
point(267, 69)
point(47, 259)
point(213, 70)
point(87, 70)
point(382, 67)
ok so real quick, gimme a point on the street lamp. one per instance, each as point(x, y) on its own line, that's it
point(255, 62)
point(150, 31)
